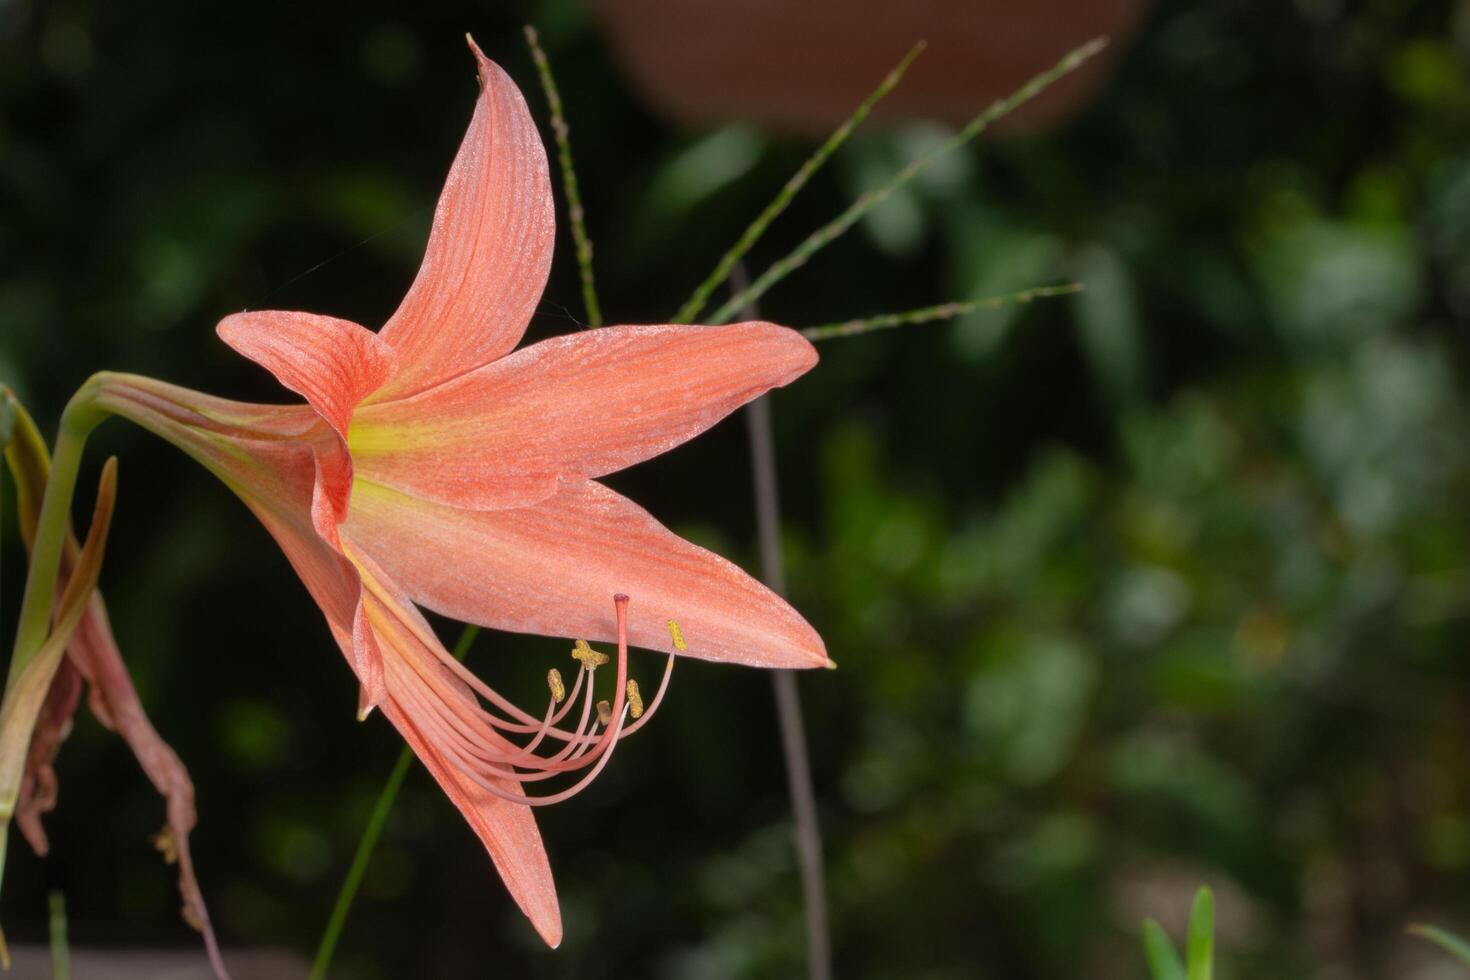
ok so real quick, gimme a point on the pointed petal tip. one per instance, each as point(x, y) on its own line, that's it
point(480, 58)
point(550, 932)
point(490, 74)
point(797, 354)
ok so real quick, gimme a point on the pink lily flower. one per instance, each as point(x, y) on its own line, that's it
point(433, 465)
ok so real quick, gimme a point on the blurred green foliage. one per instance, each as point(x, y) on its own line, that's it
point(1164, 584)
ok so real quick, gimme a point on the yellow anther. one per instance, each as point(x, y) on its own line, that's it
point(604, 712)
point(558, 689)
point(635, 700)
point(590, 658)
point(677, 635)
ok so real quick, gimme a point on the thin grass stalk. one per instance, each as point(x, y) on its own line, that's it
point(696, 303)
point(928, 314)
point(60, 955)
point(865, 203)
point(575, 214)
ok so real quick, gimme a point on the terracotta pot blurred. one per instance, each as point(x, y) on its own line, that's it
point(802, 65)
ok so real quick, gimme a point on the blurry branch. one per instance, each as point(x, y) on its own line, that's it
point(927, 314)
point(369, 842)
point(829, 232)
point(696, 303)
point(575, 214)
point(1445, 940)
point(808, 832)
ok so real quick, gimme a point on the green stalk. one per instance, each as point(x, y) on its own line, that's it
point(829, 232)
point(562, 132)
point(369, 842)
point(77, 422)
point(696, 303)
point(60, 957)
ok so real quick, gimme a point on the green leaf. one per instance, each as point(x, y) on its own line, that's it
point(1202, 936)
point(1447, 941)
point(1163, 962)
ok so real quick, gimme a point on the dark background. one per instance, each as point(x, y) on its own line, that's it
point(1163, 585)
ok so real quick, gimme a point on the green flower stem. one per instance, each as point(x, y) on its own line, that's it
point(829, 232)
point(81, 416)
point(696, 303)
point(562, 132)
point(369, 842)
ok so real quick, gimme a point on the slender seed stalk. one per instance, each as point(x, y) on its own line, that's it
point(363, 856)
point(578, 218)
point(944, 311)
point(696, 303)
point(829, 232)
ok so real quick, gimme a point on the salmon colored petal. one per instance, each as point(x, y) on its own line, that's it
point(333, 364)
point(580, 405)
point(552, 568)
point(489, 249)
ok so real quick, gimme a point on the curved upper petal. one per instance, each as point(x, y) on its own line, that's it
point(581, 405)
point(552, 568)
point(489, 250)
point(332, 363)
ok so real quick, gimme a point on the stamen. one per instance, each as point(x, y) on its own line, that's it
point(499, 753)
point(677, 635)
point(658, 697)
point(590, 658)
